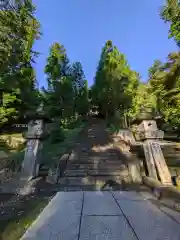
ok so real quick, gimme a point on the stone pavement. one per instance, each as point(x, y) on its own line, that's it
point(119, 215)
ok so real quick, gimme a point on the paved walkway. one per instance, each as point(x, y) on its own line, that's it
point(99, 215)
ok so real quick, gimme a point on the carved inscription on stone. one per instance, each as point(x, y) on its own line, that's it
point(149, 160)
point(30, 145)
point(160, 163)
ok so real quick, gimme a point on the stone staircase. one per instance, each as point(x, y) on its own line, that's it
point(93, 174)
point(171, 154)
point(95, 164)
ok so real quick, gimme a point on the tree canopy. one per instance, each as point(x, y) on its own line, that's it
point(117, 89)
point(18, 30)
point(67, 93)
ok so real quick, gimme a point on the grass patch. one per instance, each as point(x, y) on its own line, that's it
point(11, 142)
point(11, 152)
point(14, 228)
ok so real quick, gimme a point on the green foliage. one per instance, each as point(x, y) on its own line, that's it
point(162, 91)
point(77, 74)
point(18, 31)
point(117, 91)
point(66, 102)
point(142, 98)
point(114, 83)
point(53, 150)
point(170, 13)
point(57, 133)
point(165, 85)
point(82, 104)
point(67, 93)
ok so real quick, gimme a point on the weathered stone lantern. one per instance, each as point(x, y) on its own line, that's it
point(147, 127)
point(148, 132)
point(35, 136)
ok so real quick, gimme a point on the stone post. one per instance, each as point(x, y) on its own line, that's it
point(34, 136)
point(155, 162)
point(30, 164)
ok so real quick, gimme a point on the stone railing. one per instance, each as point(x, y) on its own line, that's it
point(156, 134)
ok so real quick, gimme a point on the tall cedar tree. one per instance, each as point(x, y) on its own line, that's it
point(18, 31)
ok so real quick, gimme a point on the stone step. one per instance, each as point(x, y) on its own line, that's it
point(70, 188)
point(173, 146)
point(78, 188)
point(103, 152)
point(172, 159)
point(91, 154)
point(95, 161)
point(169, 159)
point(96, 173)
point(91, 171)
point(173, 164)
point(118, 166)
point(96, 167)
point(92, 180)
point(170, 150)
point(172, 154)
point(66, 188)
point(101, 185)
point(97, 170)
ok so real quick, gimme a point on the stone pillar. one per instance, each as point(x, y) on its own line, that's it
point(160, 163)
point(30, 165)
point(156, 164)
point(149, 160)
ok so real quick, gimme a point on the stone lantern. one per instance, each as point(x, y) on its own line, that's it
point(147, 128)
point(148, 132)
point(35, 136)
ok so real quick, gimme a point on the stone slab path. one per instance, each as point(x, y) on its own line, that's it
point(116, 215)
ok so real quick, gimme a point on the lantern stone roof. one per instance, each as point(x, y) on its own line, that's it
point(146, 114)
point(38, 114)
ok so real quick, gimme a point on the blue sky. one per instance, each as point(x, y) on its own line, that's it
point(83, 26)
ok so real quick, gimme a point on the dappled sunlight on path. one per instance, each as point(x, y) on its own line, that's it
point(103, 215)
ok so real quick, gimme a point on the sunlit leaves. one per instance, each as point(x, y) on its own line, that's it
point(66, 96)
point(18, 31)
point(112, 90)
point(171, 13)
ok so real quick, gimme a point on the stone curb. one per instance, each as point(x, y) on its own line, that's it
point(164, 191)
point(57, 173)
point(62, 165)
